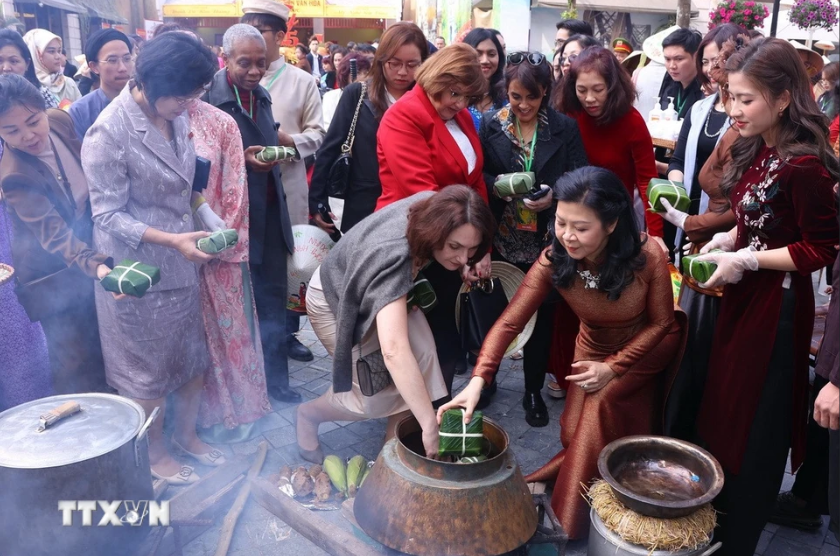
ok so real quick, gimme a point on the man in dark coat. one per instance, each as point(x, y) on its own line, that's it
point(236, 90)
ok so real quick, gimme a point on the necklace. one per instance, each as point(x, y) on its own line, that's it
point(590, 281)
point(706, 127)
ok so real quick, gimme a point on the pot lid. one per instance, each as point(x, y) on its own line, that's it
point(104, 423)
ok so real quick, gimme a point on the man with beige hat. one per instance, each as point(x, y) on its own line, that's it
point(296, 106)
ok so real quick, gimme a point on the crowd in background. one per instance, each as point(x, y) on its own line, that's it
point(102, 170)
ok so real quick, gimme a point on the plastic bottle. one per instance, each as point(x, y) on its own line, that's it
point(655, 115)
point(654, 122)
point(670, 114)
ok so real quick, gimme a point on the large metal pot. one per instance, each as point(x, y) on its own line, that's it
point(97, 453)
point(603, 542)
point(430, 508)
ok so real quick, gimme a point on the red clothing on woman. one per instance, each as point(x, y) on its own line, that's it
point(417, 153)
point(777, 204)
point(624, 147)
point(834, 130)
point(637, 335)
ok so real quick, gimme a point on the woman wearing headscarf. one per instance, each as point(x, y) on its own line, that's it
point(15, 58)
point(45, 49)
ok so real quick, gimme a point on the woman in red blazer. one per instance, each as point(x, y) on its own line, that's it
point(426, 141)
point(418, 140)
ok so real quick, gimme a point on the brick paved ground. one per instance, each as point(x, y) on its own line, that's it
point(259, 533)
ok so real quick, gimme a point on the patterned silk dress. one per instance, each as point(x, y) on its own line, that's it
point(639, 336)
point(234, 385)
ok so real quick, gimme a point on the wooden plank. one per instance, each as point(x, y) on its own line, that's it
point(666, 143)
point(319, 531)
point(229, 524)
point(182, 506)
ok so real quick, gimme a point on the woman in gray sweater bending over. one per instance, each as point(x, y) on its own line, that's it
point(362, 303)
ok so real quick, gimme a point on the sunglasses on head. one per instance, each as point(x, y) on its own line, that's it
point(534, 58)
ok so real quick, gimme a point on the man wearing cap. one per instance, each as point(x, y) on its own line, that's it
point(236, 90)
point(296, 106)
point(108, 54)
point(621, 48)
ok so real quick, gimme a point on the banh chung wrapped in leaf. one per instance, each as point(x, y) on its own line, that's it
point(217, 241)
point(667, 189)
point(422, 295)
point(131, 278)
point(272, 154)
point(517, 183)
point(699, 270)
point(462, 439)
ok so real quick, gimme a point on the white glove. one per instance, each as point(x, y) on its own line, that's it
point(672, 215)
point(730, 266)
point(211, 221)
point(722, 241)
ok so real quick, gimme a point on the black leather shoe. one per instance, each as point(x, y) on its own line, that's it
point(284, 394)
point(536, 413)
point(486, 396)
point(298, 351)
point(790, 511)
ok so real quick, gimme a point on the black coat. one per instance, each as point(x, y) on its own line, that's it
point(263, 132)
point(557, 152)
point(364, 188)
point(313, 60)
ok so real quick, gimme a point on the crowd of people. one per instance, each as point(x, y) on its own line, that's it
point(399, 147)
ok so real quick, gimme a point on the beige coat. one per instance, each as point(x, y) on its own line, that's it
point(296, 106)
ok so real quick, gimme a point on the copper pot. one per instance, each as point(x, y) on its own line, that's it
point(430, 508)
point(659, 476)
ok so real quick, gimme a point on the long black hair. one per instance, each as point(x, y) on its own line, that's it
point(604, 193)
point(497, 90)
point(10, 37)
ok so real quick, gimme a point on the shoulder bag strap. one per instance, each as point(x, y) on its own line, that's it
point(347, 147)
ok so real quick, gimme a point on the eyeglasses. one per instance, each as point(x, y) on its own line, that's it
point(534, 58)
point(396, 65)
point(127, 60)
point(455, 97)
point(263, 31)
point(183, 101)
point(558, 43)
point(570, 58)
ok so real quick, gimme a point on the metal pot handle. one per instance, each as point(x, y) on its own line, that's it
point(56, 414)
point(143, 435)
point(712, 549)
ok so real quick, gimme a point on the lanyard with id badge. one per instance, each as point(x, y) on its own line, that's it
point(525, 218)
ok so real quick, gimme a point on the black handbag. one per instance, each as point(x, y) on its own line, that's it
point(372, 373)
point(480, 309)
point(339, 175)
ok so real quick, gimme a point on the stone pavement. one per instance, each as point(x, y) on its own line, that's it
point(259, 533)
